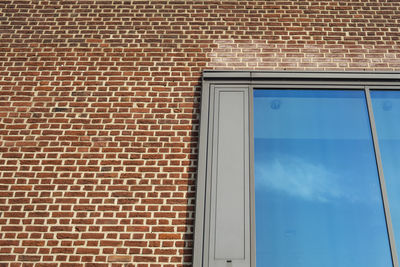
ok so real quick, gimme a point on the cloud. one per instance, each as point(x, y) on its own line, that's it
point(299, 178)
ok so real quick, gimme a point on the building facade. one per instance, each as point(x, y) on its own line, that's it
point(100, 112)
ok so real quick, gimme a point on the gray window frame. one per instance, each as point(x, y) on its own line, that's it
point(247, 81)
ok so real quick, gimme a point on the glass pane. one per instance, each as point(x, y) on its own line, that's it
point(317, 192)
point(386, 106)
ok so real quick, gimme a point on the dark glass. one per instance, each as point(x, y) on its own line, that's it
point(317, 191)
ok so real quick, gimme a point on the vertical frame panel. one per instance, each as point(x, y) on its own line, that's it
point(229, 217)
point(199, 229)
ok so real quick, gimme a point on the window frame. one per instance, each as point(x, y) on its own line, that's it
point(253, 80)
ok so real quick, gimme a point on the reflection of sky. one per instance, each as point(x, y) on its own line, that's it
point(301, 116)
point(311, 178)
point(317, 190)
point(298, 178)
point(386, 105)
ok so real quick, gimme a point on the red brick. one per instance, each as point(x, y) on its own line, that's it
point(87, 251)
point(11, 228)
point(144, 259)
point(67, 235)
point(35, 243)
point(65, 250)
point(8, 258)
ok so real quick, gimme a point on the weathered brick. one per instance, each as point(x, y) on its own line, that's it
point(29, 257)
point(119, 258)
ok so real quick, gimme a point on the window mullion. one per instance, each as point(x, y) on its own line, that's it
point(251, 182)
point(381, 179)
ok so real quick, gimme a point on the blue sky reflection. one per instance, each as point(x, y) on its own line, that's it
point(318, 199)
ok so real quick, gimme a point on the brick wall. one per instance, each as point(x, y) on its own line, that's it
point(99, 111)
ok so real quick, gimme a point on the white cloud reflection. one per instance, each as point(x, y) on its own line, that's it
point(299, 178)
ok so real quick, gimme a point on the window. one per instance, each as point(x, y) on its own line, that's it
point(298, 169)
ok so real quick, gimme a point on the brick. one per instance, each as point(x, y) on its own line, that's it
point(162, 229)
point(144, 259)
point(87, 251)
point(120, 258)
point(64, 250)
point(12, 155)
point(67, 235)
point(135, 243)
point(92, 235)
point(28, 258)
point(35, 243)
point(169, 236)
point(11, 228)
point(35, 228)
point(8, 258)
